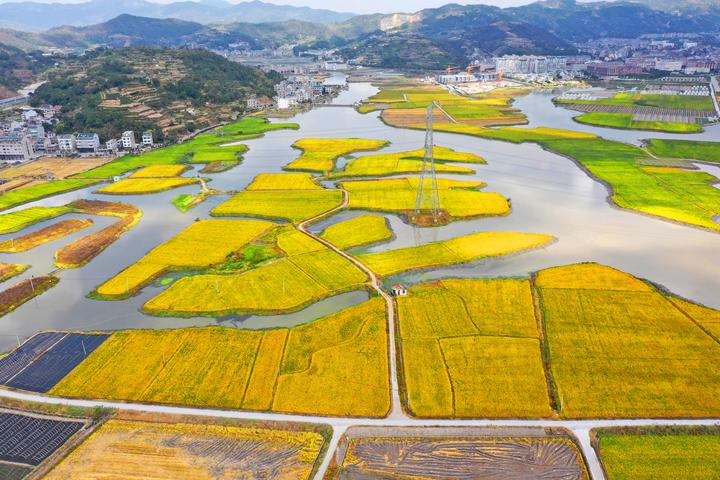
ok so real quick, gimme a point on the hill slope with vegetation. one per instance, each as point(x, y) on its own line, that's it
point(171, 91)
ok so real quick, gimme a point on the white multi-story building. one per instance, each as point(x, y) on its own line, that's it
point(15, 148)
point(87, 142)
point(66, 143)
point(530, 65)
point(147, 138)
point(128, 140)
point(111, 146)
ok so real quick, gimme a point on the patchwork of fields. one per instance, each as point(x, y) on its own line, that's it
point(310, 369)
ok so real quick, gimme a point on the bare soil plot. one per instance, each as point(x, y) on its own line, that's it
point(146, 449)
point(456, 453)
point(57, 167)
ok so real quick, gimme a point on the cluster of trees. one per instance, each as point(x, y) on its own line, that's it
point(208, 79)
point(13, 59)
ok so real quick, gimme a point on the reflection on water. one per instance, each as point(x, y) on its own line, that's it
point(549, 195)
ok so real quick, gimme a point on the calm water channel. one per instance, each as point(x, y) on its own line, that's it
point(549, 195)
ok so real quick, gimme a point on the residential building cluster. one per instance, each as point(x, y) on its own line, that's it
point(28, 137)
point(299, 89)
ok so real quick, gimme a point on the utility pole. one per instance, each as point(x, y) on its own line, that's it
point(428, 169)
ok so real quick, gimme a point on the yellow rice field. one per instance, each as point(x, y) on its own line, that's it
point(319, 154)
point(620, 348)
point(361, 230)
point(44, 235)
point(461, 199)
point(292, 205)
point(9, 270)
point(169, 451)
point(407, 162)
point(202, 244)
point(284, 181)
point(310, 368)
point(471, 348)
point(160, 171)
point(287, 284)
point(143, 186)
point(454, 251)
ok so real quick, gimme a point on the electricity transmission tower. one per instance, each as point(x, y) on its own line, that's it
point(428, 170)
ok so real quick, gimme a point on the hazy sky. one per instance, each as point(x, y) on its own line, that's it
point(365, 6)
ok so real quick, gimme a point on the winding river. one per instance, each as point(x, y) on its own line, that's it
point(549, 194)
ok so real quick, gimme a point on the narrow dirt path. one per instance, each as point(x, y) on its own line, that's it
point(396, 410)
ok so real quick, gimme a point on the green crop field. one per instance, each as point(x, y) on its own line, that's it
point(23, 195)
point(20, 219)
point(625, 120)
point(201, 148)
point(686, 149)
point(450, 252)
point(654, 453)
point(682, 195)
point(471, 348)
point(682, 102)
point(336, 365)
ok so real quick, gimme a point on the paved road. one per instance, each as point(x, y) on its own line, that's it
point(396, 410)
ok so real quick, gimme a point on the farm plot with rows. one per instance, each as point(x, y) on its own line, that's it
point(358, 231)
point(309, 273)
point(320, 154)
point(17, 360)
point(28, 439)
point(53, 364)
point(471, 348)
point(458, 199)
point(454, 251)
point(620, 348)
point(291, 197)
point(652, 453)
point(169, 451)
point(202, 244)
point(309, 369)
point(429, 454)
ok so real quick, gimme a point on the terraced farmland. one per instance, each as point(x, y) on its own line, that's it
point(310, 368)
point(145, 449)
